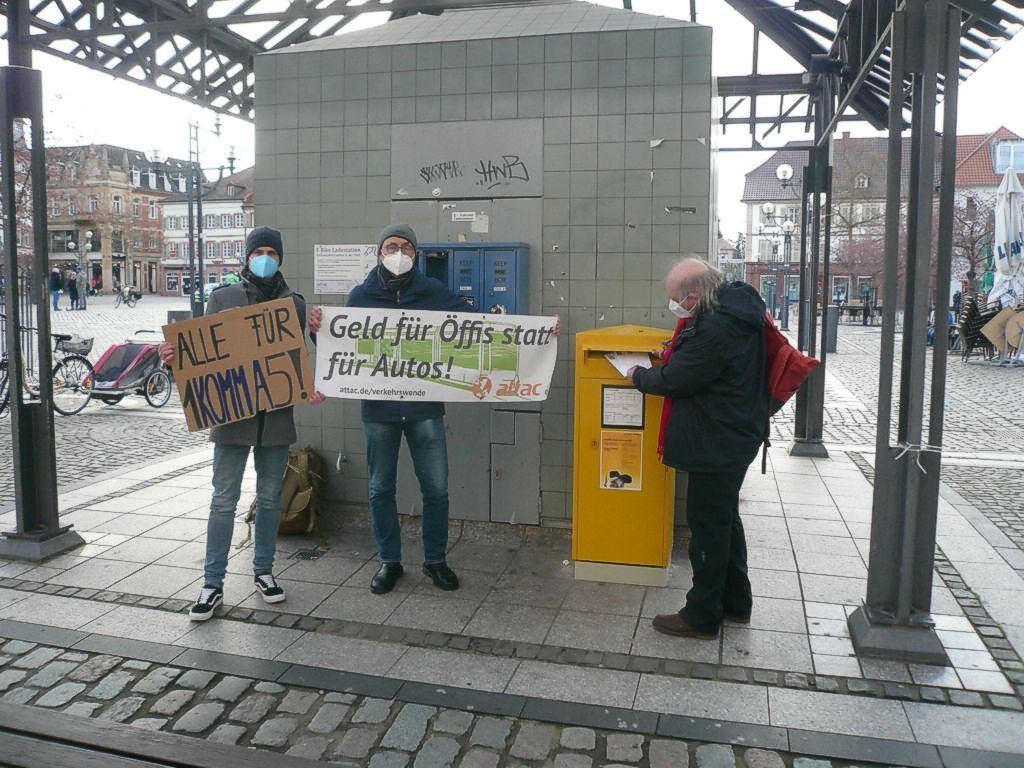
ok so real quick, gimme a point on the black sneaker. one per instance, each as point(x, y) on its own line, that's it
point(209, 598)
point(269, 588)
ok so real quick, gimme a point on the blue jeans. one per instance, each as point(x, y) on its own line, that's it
point(429, 453)
point(228, 469)
point(56, 299)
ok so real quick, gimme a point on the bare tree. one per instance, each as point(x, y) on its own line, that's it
point(973, 232)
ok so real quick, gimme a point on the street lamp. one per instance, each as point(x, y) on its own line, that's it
point(771, 226)
point(83, 261)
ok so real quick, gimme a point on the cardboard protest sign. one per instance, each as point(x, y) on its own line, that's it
point(378, 354)
point(234, 364)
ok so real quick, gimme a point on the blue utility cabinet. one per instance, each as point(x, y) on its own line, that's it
point(490, 276)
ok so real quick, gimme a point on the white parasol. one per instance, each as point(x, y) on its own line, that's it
point(1008, 248)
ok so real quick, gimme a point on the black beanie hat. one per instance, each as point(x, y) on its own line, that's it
point(264, 237)
point(396, 230)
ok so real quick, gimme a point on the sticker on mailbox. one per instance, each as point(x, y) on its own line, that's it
point(622, 460)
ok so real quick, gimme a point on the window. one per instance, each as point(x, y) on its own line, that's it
point(172, 283)
point(152, 209)
point(1008, 154)
point(212, 278)
point(94, 204)
point(117, 203)
point(181, 183)
point(211, 221)
point(239, 246)
point(136, 209)
point(225, 220)
point(211, 249)
point(239, 220)
point(172, 250)
point(55, 208)
point(136, 176)
point(72, 208)
point(151, 243)
point(862, 181)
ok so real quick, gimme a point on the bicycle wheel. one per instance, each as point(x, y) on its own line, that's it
point(131, 301)
point(72, 384)
point(117, 299)
point(158, 388)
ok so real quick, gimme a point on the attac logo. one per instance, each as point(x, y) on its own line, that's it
point(482, 388)
point(515, 388)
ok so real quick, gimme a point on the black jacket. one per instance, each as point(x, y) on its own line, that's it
point(716, 380)
point(413, 290)
point(56, 284)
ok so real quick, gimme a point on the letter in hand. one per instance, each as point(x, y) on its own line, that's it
point(167, 353)
point(316, 319)
point(631, 371)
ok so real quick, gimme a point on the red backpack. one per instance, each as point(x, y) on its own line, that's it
point(786, 368)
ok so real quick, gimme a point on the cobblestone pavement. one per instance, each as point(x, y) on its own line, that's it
point(342, 728)
point(104, 438)
point(974, 393)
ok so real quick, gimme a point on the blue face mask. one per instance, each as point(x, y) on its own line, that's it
point(263, 266)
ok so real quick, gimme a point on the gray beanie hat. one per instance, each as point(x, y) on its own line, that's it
point(396, 230)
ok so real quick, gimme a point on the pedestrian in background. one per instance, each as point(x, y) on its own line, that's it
point(72, 288)
point(267, 435)
point(717, 399)
point(56, 285)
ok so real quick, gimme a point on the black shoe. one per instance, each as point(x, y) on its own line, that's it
point(443, 576)
point(209, 598)
point(738, 618)
point(385, 578)
point(268, 587)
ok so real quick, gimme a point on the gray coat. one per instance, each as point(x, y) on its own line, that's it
point(271, 427)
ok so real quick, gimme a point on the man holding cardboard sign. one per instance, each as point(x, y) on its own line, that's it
point(239, 371)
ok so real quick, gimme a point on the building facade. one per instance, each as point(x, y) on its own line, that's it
point(104, 212)
point(858, 211)
point(226, 220)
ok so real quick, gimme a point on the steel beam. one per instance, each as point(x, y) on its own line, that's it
point(895, 620)
point(38, 533)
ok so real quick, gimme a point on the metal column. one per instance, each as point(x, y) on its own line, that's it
point(810, 399)
point(38, 534)
point(895, 620)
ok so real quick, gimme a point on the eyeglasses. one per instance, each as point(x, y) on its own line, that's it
point(407, 248)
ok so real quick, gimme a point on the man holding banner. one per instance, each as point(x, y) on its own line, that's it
point(395, 283)
point(228, 388)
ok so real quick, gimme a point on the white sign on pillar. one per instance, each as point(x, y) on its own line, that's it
point(339, 268)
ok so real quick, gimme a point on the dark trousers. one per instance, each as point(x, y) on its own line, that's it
point(718, 550)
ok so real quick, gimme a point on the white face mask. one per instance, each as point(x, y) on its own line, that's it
point(396, 263)
point(677, 309)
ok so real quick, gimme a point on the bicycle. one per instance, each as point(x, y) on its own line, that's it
point(72, 375)
point(127, 295)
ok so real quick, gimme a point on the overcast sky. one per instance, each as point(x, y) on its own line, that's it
point(83, 106)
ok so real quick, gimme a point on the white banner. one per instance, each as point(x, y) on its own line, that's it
point(340, 268)
point(386, 354)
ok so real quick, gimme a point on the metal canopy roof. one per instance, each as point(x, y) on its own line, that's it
point(202, 50)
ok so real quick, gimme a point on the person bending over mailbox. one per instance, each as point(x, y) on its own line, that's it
point(268, 435)
point(395, 283)
point(713, 382)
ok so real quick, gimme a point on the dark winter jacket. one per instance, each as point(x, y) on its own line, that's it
point(414, 290)
point(56, 284)
point(270, 428)
point(716, 379)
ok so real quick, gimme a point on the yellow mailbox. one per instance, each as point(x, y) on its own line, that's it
point(623, 496)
